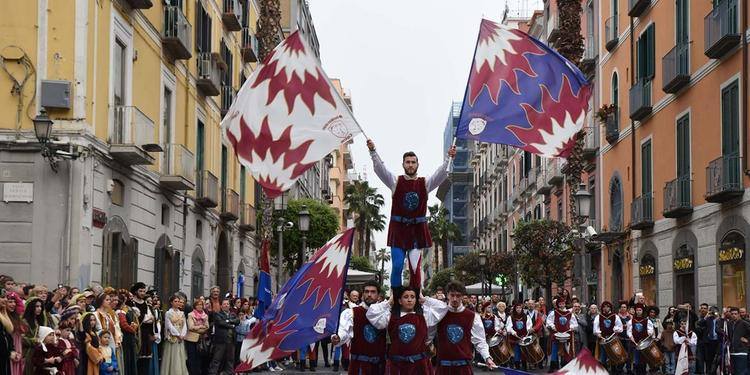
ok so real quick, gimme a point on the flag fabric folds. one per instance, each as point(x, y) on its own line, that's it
point(306, 309)
point(286, 117)
point(683, 364)
point(264, 281)
point(522, 93)
point(583, 364)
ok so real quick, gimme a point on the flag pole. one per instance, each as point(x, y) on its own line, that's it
point(450, 159)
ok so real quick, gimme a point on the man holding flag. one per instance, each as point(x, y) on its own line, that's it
point(408, 232)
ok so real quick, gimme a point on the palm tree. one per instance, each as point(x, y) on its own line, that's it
point(364, 202)
point(442, 231)
point(382, 255)
point(269, 26)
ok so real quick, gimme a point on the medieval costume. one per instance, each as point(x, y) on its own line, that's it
point(561, 321)
point(367, 343)
point(46, 356)
point(639, 328)
point(457, 332)
point(606, 324)
point(518, 326)
point(128, 321)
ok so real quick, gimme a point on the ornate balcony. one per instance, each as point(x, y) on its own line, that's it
point(209, 77)
point(590, 55)
point(640, 100)
point(249, 46)
point(177, 33)
point(207, 189)
point(555, 175)
point(611, 33)
point(181, 172)
point(721, 29)
point(232, 15)
point(636, 7)
point(132, 137)
point(641, 209)
point(230, 205)
point(612, 125)
point(227, 98)
point(676, 68)
point(677, 198)
point(724, 179)
point(248, 219)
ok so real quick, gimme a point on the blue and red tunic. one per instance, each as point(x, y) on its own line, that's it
point(408, 227)
point(489, 326)
point(562, 321)
point(519, 325)
point(454, 351)
point(639, 328)
point(367, 346)
point(607, 324)
point(408, 345)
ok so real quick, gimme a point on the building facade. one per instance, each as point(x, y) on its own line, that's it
point(675, 207)
point(342, 163)
point(136, 91)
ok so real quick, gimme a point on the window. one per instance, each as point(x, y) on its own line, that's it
point(646, 175)
point(684, 265)
point(559, 209)
point(226, 54)
point(646, 54)
point(119, 255)
point(683, 147)
point(647, 274)
point(733, 279)
point(198, 229)
point(730, 129)
point(224, 171)
point(615, 203)
point(242, 184)
point(117, 193)
point(164, 215)
point(118, 98)
point(616, 98)
point(197, 275)
point(200, 145)
point(202, 29)
point(166, 130)
point(682, 23)
point(592, 190)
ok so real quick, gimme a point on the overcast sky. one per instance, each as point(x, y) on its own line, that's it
point(404, 62)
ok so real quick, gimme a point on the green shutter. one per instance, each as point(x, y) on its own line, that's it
point(646, 168)
point(651, 52)
point(683, 146)
point(242, 184)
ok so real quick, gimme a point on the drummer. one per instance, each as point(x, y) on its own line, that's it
point(625, 317)
point(490, 322)
point(501, 316)
point(518, 326)
point(639, 328)
point(458, 331)
point(561, 321)
point(606, 324)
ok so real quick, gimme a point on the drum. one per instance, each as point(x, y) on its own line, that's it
point(562, 336)
point(531, 350)
point(650, 352)
point(564, 340)
point(499, 350)
point(616, 354)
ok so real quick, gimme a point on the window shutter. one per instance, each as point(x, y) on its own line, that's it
point(651, 54)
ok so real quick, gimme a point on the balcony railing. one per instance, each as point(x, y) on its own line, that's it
point(177, 33)
point(555, 175)
point(181, 172)
point(140, 4)
point(611, 33)
point(132, 137)
point(227, 97)
point(553, 27)
point(207, 189)
point(721, 30)
point(641, 209)
point(724, 179)
point(232, 15)
point(531, 180)
point(590, 54)
point(230, 205)
point(677, 198)
point(209, 77)
point(591, 139)
point(542, 179)
point(636, 7)
point(612, 125)
point(249, 46)
point(248, 221)
point(676, 68)
point(640, 100)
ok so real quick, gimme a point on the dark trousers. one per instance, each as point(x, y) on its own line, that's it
point(708, 353)
point(324, 346)
point(194, 359)
point(222, 354)
point(739, 364)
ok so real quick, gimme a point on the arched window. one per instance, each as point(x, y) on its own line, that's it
point(615, 204)
point(647, 273)
point(167, 269)
point(196, 273)
point(617, 275)
point(119, 255)
point(616, 95)
point(732, 261)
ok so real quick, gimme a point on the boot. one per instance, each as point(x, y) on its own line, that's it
point(517, 365)
point(335, 365)
point(313, 364)
point(345, 363)
point(302, 365)
point(553, 366)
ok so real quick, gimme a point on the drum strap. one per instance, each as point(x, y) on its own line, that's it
point(456, 363)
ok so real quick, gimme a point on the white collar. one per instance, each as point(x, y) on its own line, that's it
point(460, 308)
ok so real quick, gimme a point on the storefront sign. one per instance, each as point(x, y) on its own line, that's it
point(683, 264)
point(646, 270)
point(731, 254)
point(18, 192)
point(99, 218)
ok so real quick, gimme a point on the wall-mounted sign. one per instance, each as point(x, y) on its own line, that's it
point(99, 218)
point(683, 264)
point(18, 192)
point(731, 254)
point(646, 270)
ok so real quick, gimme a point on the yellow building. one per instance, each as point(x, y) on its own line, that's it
point(136, 90)
point(341, 163)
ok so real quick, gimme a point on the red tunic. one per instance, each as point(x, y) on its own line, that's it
point(519, 325)
point(68, 366)
point(607, 325)
point(369, 342)
point(562, 321)
point(489, 326)
point(408, 338)
point(410, 205)
point(454, 342)
point(640, 328)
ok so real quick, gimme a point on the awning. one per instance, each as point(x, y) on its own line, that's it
point(355, 277)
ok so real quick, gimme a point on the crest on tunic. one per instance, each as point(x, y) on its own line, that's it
point(411, 200)
point(638, 327)
point(406, 332)
point(455, 333)
point(563, 320)
point(370, 333)
point(519, 325)
point(488, 323)
point(607, 323)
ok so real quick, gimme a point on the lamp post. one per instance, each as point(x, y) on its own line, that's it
point(303, 222)
point(483, 264)
point(42, 127)
point(582, 200)
point(279, 266)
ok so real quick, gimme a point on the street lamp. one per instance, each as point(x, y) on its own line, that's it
point(482, 264)
point(42, 126)
point(582, 199)
point(303, 222)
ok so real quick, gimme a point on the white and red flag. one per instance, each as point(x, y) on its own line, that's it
point(286, 117)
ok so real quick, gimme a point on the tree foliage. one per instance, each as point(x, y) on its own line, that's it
point(361, 263)
point(440, 279)
point(442, 231)
point(365, 203)
point(543, 251)
point(324, 225)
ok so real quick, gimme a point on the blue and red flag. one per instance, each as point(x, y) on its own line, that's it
point(522, 93)
point(264, 282)
point(306, 309)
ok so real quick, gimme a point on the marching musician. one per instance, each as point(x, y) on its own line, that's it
point(458, 331)
point(606, 324)
point(518, 326)
point(561, 320)
point(625, 317)
point(407, 323)
point(491, 323)
point(639, 328)
point(368, 344)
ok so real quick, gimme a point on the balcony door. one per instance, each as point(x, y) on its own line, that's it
point(166, 131)
point(730, 135)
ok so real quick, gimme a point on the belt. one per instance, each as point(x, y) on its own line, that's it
point(409, 220)
point(409, 358)
point(364, 358)
point(456, 363)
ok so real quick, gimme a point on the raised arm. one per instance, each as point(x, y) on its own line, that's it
point(438, 176)
point(434, 310)
point(379, 314)
point(382, 172)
